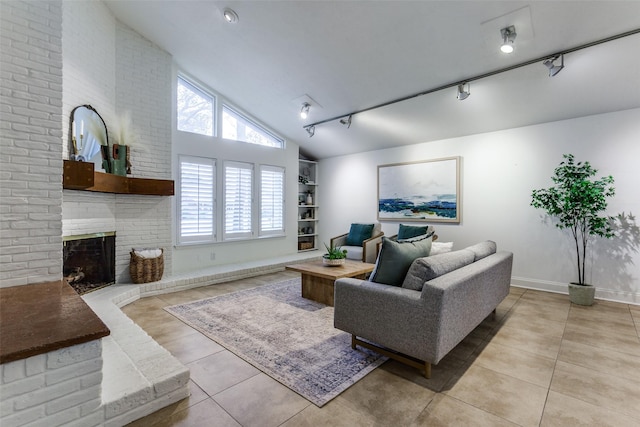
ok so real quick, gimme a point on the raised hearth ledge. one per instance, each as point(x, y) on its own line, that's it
point(136, 368)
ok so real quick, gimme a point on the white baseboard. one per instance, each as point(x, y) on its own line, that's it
point(624, 297)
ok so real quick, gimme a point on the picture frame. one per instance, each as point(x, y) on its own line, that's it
point(427, 190)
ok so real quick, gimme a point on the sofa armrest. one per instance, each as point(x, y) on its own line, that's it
point(340, 240)
point(370, 248)
point(376, 312)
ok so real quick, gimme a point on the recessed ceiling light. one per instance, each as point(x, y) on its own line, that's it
point(230, 15)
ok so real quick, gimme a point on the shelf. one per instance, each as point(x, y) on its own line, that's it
point(307, 206)
point(308, 220)
point(307, 235)
point(82, 176)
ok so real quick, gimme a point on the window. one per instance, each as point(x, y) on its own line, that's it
point(237, 127)
point(197, 200)
point(271, 200)
point(238, 200)
point(195, 109)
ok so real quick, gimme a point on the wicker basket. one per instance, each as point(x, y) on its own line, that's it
point(304, 246)
point(145, 270)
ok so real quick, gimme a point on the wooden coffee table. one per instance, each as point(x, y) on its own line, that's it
point(318, 279)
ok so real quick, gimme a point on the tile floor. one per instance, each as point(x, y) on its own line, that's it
point(541, 362)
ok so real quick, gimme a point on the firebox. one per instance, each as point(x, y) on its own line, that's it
point(89, 261)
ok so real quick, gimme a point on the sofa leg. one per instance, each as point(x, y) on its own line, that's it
point(402, 358)
point(493, 314)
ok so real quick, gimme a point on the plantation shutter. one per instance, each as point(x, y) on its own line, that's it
point(197, 201)
point(238, 199)
point(271, 200)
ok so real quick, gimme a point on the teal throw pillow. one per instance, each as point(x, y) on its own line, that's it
point(358, 234)
point(409, 231)
point(395, 258)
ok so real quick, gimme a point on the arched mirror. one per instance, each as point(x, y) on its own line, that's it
point(89, 140)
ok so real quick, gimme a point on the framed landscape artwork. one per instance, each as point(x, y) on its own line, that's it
point(428, 190)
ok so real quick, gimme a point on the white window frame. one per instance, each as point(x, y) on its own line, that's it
point(262, 129)
point(278, 170)
point(245, 233)
point(214, 104)
point(208, 237)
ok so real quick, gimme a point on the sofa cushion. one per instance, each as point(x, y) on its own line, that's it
point(358, 233)
point(440, 248)
point(483, 249)
point(353, 252)
point(409, 231)
point(428, 268)
point(395, 258)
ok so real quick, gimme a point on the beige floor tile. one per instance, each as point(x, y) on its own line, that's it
point(388, 398)
point(261, 402)
point(603, 338)
point(599, 359)
point(444, 411)
point(169, 330)
point(565, 411)
point(517, 363)
point(530, 323)
point(220, 371)
point(183, 296)
point(499, 394)
point(545, 298)
point(466, 347)
point(205, 413)
point(514, 290)
point(620, 322)
point(614, 393)
point(550, 311)
point(333, 414)
point(156, 418)
point(441, 373)
point(604, 308)
point(523, 339)
point(189, 348)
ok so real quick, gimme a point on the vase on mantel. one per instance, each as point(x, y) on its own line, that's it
point(119, 160)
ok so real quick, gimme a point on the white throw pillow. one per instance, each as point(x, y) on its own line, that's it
point(440, 248)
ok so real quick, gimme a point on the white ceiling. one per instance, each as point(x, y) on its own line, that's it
point(352, 55)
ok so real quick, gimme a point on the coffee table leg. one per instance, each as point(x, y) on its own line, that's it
point(317, 289)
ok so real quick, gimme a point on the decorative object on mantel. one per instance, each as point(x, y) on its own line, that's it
point(335, 256)
point(124, 137)
point(119, 154)
point(576, 202)
point(88, 137)
point(146, 265)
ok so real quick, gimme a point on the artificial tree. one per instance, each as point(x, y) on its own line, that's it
point(577, 201)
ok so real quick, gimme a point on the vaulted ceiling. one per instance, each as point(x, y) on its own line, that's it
point(349, 56)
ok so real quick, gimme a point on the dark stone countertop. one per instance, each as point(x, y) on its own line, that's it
point(43, 317)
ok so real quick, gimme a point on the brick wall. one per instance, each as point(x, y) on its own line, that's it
point(53, 389)
point(31, 126)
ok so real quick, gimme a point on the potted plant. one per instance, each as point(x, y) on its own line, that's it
point(576, 201)
point(335, 255)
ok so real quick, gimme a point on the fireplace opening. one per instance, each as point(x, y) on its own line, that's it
point(89, 261)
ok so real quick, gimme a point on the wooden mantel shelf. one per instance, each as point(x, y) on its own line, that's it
point(82, 176)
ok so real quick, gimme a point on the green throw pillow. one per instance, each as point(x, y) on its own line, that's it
point(395, 259)
point(358, 234)
point(409, 231)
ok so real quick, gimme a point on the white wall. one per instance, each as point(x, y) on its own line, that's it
point(498, 172)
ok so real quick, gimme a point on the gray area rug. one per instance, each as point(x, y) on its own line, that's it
point(289, 338)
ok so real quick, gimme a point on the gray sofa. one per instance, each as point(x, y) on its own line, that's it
point(443, 298)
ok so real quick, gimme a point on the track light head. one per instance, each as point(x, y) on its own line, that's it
point(554, 69)
point(346, 121)
point(311, 130)
point(230, 15)
point(304, 111)
point(508, 38)
point(464, 90)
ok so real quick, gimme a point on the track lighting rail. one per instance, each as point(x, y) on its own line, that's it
point(478, 77)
